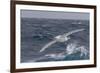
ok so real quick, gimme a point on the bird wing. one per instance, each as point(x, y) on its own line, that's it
point(54, 41)
point(74, 31)
point(47, 45)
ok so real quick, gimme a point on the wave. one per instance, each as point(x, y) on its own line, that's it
point(74, 48)
point(71, 49)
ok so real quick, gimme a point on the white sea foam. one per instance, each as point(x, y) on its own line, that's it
point(71, 48)
point(74, 48)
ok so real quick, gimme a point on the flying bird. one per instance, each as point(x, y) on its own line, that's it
point(60, 38)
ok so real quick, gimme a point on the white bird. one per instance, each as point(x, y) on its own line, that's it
point(60, 38)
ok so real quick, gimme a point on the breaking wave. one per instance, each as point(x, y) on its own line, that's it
point(73, 50)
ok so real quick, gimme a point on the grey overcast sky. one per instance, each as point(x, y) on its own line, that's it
point(54, 14)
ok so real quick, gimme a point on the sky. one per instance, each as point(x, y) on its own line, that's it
point(54, 14)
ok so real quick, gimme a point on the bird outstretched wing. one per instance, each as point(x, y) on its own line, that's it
point(71, 32)
point(47, 45)
point(54, 41)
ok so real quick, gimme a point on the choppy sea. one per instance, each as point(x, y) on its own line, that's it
point(37, 32)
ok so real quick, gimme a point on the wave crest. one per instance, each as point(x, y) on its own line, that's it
point(71, 49)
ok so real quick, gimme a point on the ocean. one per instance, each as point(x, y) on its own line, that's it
point(37, 32)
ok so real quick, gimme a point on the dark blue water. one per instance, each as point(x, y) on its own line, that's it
point(35, 33)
